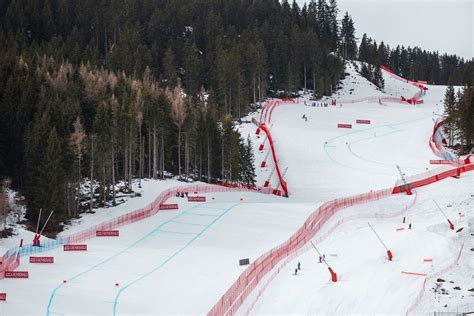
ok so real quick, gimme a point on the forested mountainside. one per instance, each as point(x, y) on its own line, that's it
point(115, 90)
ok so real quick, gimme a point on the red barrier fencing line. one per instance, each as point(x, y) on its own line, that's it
point(230, 300)
point(319, 240)
point(432, 276)
point(413, 100)
point(264, 128)
point(414, 273)
point(235, 295)
point(10, 263)
point(413, 83)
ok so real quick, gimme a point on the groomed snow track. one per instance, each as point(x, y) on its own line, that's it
point(11, 258)
point(234, 297)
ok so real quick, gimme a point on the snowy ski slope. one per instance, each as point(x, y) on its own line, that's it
point(183, 261)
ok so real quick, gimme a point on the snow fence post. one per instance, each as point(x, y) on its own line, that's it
point(451, 226)
point(333, 274)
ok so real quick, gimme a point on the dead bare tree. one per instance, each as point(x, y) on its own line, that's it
point(178, 111)
point(76, 141)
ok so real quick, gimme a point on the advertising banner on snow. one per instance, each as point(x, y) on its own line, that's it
point(41, 259)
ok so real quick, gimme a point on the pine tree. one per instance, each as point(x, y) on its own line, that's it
point(248, 163)
point(53, 185)
point(348, 48)
point(76, 140)
point(179, 117)
point(170, 68)
point(450, 113)
point(378, 77)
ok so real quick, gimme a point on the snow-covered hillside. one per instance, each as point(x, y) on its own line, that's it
point(182, 261)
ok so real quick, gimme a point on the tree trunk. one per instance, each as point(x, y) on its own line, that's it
point(222, 161)
point(155, 151)
point(149, 154)
point(259, 87)
point(314, 82)
point(104, 184)
point(113, 176)
point(140, 153)
point(162, 156)
point(92, 175)
point(186, 154)
point(78, 194)
point(125, 164)
point(179, 151)
point(254, 86)
point(305, 76)
point(208, 160)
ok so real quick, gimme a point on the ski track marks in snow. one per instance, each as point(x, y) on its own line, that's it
point(193, 211)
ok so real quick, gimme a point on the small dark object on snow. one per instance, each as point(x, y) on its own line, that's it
point(471, 290)
point(299, 266)
point(460, 229)
point(409, 226)
point(440, 280)
point(296, 272)
point(456, 288)
point(244, 262)
point(472, 249)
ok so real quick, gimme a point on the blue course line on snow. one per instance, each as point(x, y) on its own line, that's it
point(360, 131)
point(200, 214)
point(168, 259)
point(186, 223)
point(374, 161)
point(173, 232)
point(149, 234)
point(210, 208)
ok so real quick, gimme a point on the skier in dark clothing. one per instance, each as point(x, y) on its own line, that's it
point(299, 266)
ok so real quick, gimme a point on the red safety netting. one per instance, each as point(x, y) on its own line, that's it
point(270, 105)
point(419, 297)
point(413, 83)
point(283, 184)
point(154, 208)
point(234, 297)
point(231, 301)
point(432, 176)
point(416, 99)
point(437, 142)
point(307, 246)
point(381, 99)
point(11, 259)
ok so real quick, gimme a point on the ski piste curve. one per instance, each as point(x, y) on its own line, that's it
point(233, 299)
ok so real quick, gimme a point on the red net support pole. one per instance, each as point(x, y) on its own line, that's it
point(333, 275)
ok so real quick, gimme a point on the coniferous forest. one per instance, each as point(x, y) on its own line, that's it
point(116, 90)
